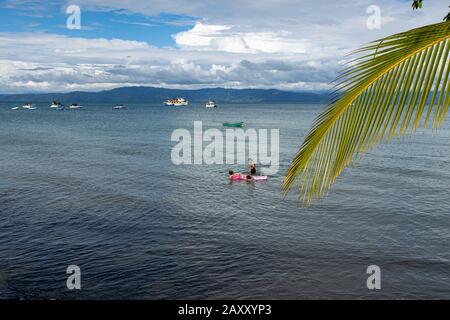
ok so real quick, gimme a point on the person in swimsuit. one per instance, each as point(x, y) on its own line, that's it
point(252, 167)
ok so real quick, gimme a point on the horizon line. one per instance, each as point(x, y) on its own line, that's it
point(162, 88)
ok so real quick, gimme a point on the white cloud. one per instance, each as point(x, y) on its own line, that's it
point(224, 38)
point(63, 63)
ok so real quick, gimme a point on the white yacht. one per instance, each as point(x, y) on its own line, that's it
point(75, 106)
point(28, 106)
point(181, 102)
point(177, 102)
point(211, 104)
point(119, 106)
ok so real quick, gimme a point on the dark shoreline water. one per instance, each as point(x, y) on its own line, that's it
point(97, 188)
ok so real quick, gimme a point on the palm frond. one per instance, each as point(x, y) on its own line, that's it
point(390, 87)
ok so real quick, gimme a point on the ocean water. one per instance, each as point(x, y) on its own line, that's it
point(97, 188)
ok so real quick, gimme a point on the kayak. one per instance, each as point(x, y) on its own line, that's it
point(259, 177)
point(237, 177)
point(233, 124)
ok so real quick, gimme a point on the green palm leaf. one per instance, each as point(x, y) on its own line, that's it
point(390, 87)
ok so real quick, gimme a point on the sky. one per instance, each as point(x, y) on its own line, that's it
point(294, 45)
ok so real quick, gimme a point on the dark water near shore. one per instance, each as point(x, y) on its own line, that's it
point(97, 188)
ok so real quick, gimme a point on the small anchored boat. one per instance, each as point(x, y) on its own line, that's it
point(28, 106)
point(119, 107)
point(233, 124)
point(55, 105)
point(75, 106)
point(211, 104)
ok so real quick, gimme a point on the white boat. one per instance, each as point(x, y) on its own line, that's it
point(176, 102)
point(55, 105)
point(211, 104)
point(181, 102)
point(28, 106)
point(15, 108)
point(119, 106)
point(75, 106)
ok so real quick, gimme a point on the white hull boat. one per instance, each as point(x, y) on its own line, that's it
point(211, 104)
point(178, 102)
point(56, 105)
point(28, 106)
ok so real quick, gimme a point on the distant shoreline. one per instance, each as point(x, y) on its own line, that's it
point(158, 95)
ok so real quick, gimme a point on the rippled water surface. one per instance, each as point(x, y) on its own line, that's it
point(96, 188)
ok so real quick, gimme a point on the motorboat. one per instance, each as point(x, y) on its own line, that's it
point(177, 102)
point(55, 105)
point(75, 106)
point(28, 106)
point(211, 104)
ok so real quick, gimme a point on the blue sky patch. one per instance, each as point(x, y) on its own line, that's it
point(114, 24)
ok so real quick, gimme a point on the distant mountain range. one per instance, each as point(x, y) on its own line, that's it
point(158, 95)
